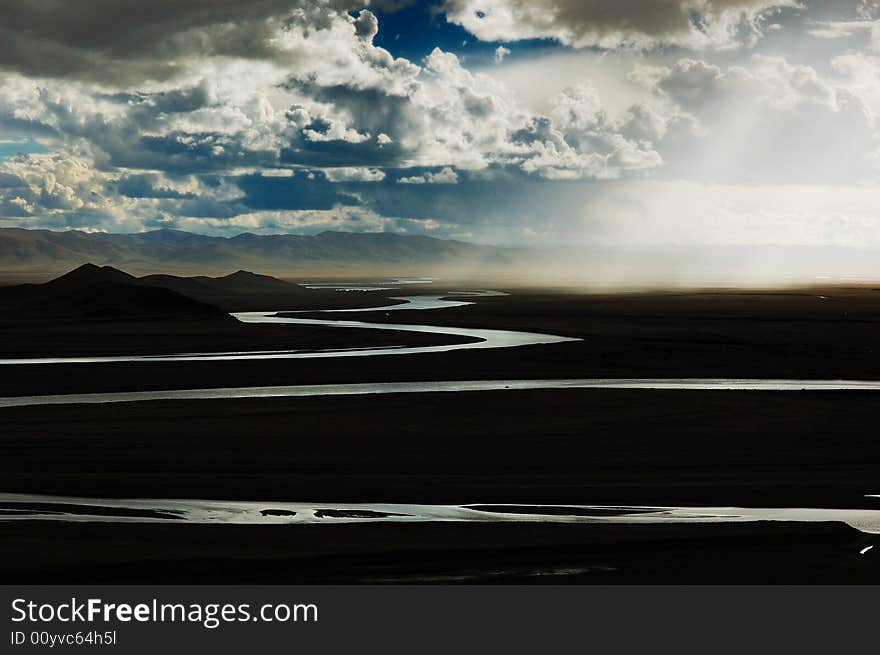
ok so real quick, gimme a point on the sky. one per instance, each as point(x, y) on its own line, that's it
point(544, 123)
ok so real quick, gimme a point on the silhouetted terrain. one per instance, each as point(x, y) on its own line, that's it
point(96, 310)
point(796, 449)
point(440, 553)
point(569, 447)
point(99, 293)
point(246, 291)
point(91, 291)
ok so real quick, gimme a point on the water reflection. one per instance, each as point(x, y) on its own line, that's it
point(476, 338)
point(22, 507)
point(366, 388)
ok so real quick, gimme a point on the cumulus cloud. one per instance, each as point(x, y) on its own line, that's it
point(313, 92)
point(354, 174)
point(500, 53)
point(60, 191)
point(327, 97)
point(117, 41)
point(445, 175)
point(586, 23)
point(577, 140)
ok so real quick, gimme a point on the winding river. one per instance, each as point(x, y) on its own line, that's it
point(478, 338)
point(18, 507)
point(36, 507)
point(374, 388)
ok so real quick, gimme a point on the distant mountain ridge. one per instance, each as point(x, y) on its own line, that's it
point(175, 251)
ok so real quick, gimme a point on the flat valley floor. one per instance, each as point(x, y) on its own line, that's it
point(540, 447)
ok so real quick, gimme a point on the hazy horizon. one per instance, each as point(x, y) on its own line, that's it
point(598, 269)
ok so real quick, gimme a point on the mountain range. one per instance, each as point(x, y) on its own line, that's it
point(175, 251)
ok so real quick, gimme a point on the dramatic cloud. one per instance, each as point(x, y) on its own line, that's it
point(120, 41)
point(325, 99)
point(629, 123)
point(631, 23)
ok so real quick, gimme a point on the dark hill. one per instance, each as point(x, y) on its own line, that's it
point(240, 282)
point(89, 274)
point(99, 293)
point(110, 300)
point(103, 292)
point(247, 282)
point(246, 291)
point(242, 291)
